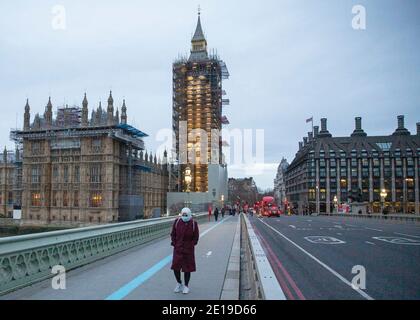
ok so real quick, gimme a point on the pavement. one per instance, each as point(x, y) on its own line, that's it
point(313, 257)
point(143, 272)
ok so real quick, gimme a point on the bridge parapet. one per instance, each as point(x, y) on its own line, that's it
point(267, 286)
point(27, 259)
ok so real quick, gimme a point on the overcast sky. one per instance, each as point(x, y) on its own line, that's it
point(288, 60)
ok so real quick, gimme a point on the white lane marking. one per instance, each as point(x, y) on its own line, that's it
point(368, 242)
point(397, 240)
point(208, 254)
point(351, 225)
point(292, 226)
point(335, 273)
point(324, 240)
point(374, 229)
point(408, 235)
point(309, 220)
point(339, 234)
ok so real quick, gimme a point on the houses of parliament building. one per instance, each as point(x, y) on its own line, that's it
point(76, 169)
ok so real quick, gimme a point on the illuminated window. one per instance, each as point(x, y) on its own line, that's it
point(36, 199)
point(95, 199)
point(311, 194)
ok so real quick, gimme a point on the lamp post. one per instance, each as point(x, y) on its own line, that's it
point(188, 180)
point(214, 198)
point(383, 195)
point(222, 199)
point(285, 204)
point(335, 200)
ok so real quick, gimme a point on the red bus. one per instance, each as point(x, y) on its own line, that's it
point(268, 207)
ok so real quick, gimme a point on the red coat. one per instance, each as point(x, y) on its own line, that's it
point(184, 237)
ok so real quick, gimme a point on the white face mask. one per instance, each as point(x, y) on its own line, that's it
point(186, 218)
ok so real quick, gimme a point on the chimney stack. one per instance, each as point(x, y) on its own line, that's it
point(358, 131)
point(400, 122)
point(401, 130)
point(300, 145)
point(310, 136)
point(305, 141)
point(358, 123)
point(418, 128)
point(324, 131)
point(324, 124)
point(316, 131)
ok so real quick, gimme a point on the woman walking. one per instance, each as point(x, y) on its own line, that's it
point(184, 237)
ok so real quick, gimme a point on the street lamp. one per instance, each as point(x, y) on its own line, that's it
point(383, 195)
point(214, 201)
point(188, 180)
point(285, 204)
point(335, 200)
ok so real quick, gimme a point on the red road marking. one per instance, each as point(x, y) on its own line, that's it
point(275, 261)
point(279, 276)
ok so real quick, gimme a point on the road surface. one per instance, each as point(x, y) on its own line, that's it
point(313, 256)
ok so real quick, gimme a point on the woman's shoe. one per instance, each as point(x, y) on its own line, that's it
point(178, 288)
point(185, 290)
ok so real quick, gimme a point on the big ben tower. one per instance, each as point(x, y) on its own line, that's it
point(197, 114)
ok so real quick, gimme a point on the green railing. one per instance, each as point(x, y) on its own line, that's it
point(27, 259)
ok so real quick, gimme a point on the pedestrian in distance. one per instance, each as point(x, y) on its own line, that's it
point(209, 209)
point(184, 238)
point(216, 213)
point(223, 212)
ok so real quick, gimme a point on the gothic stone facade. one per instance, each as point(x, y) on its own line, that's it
point(10, 183)
point(79, 170)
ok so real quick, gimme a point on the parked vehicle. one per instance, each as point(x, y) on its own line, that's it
point(267, 207)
